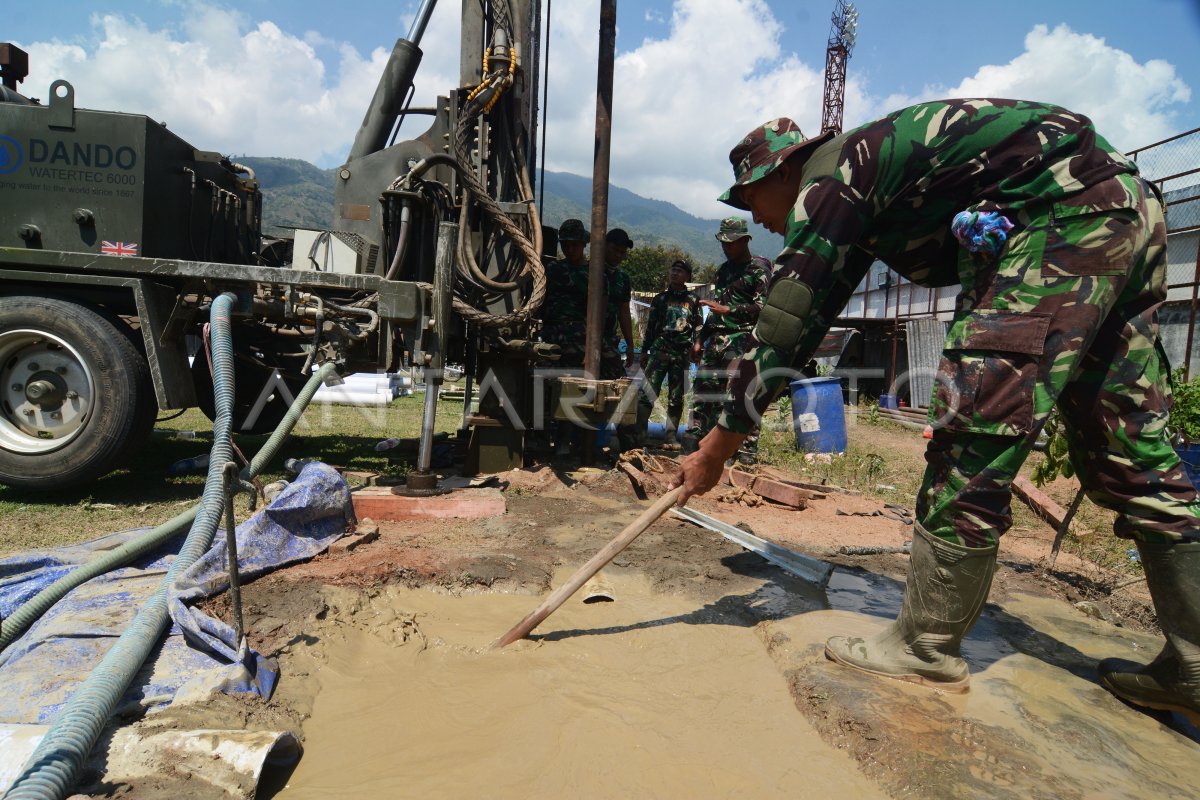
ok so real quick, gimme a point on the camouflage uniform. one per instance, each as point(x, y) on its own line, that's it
point(564, 311)
point(671, 330)
point(1063, 313)
point(726, 338)
point(618, 291)
point(564, 318)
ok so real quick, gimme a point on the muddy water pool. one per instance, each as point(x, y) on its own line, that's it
point(641, 697)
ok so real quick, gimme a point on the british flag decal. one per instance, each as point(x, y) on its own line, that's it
point(119, 248)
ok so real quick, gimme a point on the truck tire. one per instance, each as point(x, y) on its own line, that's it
point(75, 393)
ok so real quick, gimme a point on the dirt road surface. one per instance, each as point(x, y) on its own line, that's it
point(704, 677)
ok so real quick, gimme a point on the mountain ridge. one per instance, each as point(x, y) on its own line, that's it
point(297, 194)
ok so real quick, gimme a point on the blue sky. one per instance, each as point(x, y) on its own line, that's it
point(265, 77)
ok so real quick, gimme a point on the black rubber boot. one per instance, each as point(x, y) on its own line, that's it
point(1172, 681)
point(947, 587)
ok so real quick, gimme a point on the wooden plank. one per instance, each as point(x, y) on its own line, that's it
point(1039, 501)
point(766, 487)
point(647, 483)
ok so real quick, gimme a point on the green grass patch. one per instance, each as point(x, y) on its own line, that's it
point(143, 494)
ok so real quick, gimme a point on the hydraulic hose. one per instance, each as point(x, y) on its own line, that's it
point(52, 769)
point(43, 601)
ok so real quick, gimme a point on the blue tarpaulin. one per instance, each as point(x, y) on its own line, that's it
point(40, 669)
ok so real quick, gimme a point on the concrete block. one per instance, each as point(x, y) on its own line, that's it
point(360, 478)
point(353, 540)
point(378, 503)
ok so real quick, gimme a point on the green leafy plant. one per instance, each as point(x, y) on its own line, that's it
point(1184, 422)
point(1056, 459)
point(785, 406)
point(1185, 411)
point(872, 411)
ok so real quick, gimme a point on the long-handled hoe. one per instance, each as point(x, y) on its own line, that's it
point(594, 565)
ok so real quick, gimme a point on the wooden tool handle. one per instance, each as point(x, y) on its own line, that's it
point(594, 565)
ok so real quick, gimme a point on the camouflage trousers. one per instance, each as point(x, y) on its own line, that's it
point(612, 367)
point(711, 388)
point(1066, 317)
point(671, 367)
point(571, 353)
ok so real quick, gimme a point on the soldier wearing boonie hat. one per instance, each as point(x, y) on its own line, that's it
point(732, 229)
point(671, 330)
point(741, 286)
point(564, 311)
point(572, 230)
point(618, 323)
point(1060, 246)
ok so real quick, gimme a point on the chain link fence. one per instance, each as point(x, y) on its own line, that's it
point(1174, 166)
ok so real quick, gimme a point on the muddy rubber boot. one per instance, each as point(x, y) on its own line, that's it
point(946, 590)
point(1172, 681)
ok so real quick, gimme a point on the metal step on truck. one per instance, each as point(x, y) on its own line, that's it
point(115, 235)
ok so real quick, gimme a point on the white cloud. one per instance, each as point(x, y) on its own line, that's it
point(220, 84)
point(238, 85)
point(683, 100)
point(1129, 102)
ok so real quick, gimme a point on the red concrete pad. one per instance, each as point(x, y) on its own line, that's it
point(378, 503)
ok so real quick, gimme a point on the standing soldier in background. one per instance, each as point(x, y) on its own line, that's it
point(671, 331)
point(740, 289)
point(1060, 248)
point(618, 291)
point(564, 312)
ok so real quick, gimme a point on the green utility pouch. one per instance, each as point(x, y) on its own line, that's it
point(784, 315)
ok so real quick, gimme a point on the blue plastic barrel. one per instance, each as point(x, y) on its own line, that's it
point(1189, 454)
point(887, 401)
point(658, 430)
point(818, 415)
point(603, 432)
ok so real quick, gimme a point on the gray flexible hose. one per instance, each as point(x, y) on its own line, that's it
point(33, 609)
point(52, 769)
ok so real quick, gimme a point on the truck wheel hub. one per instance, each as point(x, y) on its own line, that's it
point(46, 391)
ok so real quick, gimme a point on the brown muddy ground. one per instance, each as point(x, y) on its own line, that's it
point(704, 678)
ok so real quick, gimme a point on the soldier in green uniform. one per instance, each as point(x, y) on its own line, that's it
point(738, 295)
point(564, 312)
point(1059, 247)
point(671, 331)
point(618, 323)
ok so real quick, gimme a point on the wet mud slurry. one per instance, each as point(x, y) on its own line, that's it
point(705, 677)
point(643, 697)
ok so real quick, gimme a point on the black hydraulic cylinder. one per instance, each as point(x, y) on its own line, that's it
point(388, 102)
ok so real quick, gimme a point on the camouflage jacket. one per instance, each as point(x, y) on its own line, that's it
point(673, 323)
point(889, 190)
point(618, 290)
point(742, 287)
point(564, 311)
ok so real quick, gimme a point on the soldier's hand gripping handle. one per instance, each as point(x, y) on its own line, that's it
point(702, 469)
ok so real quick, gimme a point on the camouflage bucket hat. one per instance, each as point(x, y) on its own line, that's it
point(762, 150)
point(732, 229)
point(572, 230)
